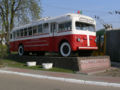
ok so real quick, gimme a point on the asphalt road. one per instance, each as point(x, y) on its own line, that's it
point(14, 82)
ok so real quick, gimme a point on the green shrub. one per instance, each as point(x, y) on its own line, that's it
point(3, 51)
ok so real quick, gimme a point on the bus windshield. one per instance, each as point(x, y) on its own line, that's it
point(84, 26)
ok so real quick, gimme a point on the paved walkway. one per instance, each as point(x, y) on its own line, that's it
point(66, 75)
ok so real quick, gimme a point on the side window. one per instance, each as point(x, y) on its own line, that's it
point(45, 25)
point(15, 34)
point(61, 27)
point(18, 33)
point(34, 30)
point(40, 28)
point(25, 32)
point(45, 28)
point(21, 32)
point(11, 36)
point(53, 27)
point(30, 31)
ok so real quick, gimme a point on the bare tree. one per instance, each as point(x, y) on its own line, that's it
point(14, 12)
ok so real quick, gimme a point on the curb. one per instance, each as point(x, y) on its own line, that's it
point(62, 79)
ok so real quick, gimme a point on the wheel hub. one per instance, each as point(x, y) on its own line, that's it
point(65, 49)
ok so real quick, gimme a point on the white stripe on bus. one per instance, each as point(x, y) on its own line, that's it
point(35, 45)
point(76, 32)
point(36, 41)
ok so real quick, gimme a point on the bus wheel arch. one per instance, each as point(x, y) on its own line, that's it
point(65, 48)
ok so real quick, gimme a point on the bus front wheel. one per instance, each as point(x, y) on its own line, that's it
point(65, 49)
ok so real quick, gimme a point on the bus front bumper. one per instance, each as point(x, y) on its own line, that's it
point(87, 48)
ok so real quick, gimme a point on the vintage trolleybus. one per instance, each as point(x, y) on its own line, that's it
point(64, 34)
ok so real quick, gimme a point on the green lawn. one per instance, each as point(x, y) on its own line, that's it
point(11, 63)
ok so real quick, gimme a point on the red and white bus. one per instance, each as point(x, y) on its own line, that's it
point(64, 34)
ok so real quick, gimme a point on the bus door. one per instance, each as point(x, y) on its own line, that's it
point(53, 28)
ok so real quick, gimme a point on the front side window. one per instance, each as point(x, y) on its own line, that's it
point(84, 26)
point(66, 26)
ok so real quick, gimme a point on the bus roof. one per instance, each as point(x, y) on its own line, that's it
point(52, 19)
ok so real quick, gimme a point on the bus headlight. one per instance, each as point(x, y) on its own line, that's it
point(96, 40)
point(78, 39)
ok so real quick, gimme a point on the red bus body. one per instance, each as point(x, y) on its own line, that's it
point(50, 41)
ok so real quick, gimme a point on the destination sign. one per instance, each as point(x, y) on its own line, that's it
point(86, 20)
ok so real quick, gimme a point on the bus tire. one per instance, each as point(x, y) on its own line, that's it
point(21, 50)
point(65, 49)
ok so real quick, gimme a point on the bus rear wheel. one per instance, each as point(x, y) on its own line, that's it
point(21, 50)
point(65, 49)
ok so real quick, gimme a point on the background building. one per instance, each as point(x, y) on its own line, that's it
point(113, 44)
